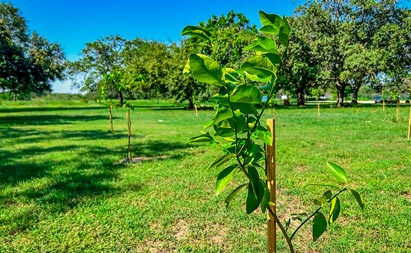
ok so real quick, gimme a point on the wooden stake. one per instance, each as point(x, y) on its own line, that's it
point(318, 108)
point(271, 226)
point(110, 108)
point(129, 158)
point(409, 126)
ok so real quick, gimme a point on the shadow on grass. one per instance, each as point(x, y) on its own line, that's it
point(174, 150)
point(66, 177)
point(49, 109)
point(54, 119)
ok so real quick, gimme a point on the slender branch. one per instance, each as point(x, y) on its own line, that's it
point(283, 231)
point(316, 211)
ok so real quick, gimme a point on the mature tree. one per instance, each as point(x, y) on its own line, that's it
point(224, 40)
point(149, 62)
point(28, 62)
point(101, 67)
point(356, 41)
point(183, 87)
point(300, 69)
point(230, 33)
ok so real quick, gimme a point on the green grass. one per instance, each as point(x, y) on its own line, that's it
point(62, 191)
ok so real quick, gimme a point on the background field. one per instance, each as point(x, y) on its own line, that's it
point(62, 191)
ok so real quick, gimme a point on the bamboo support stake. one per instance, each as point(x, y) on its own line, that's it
point(271, 225)
point(409, 126)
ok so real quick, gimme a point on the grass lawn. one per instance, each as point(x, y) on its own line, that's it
point(62, 191)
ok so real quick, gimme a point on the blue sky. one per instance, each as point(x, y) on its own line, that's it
point(73, 23)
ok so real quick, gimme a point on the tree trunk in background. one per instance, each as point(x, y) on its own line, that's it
point(340, 93)
point(121, 98)
point(355, 90)
point(300, 96)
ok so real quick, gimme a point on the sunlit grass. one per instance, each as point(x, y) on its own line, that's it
point(61, 189)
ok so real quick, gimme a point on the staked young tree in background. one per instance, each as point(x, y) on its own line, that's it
point(100, 67)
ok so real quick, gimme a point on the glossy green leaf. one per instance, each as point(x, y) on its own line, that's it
point(252, 202)
point(334, 210)
point(284, 32)
point(196, 31)
point(232, 75)
point(274, 58)
point(358, 198)
point(255, 190)
point(203, 137)
point(263, 134)
point(246, 94)
point(222, 114)
point(266, 197)
point(271, 23)
point(221, 160)
point(245, 108)
point(259, 68)
point(205, 69)
point(263, 45)
point(324, 199)
point(338, 172)
point(230, 196)
point(224, 178)
point(319, 225)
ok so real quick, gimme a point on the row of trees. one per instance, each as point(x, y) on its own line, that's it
point(335, 45)
point(28, 62)
point(346, 44)
point(113, 67)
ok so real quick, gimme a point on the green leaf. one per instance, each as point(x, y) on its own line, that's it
point(224, 178)
point(220, 161)
point(334, 210)
point(222, 114)
point(255, 190)
point(205, 69)
point(271, 23)
point(284, 33)
point(263, 134)
point(232, 75)
point(263, 45)
point(245, 108)
point(338, 172)
point(319, 225)
point(246, 94)
point(266, 197)
point(259, 68)
point(358, 198)
point(232, 194)
point(195, 31)
point(324, 199)
point(203, 137)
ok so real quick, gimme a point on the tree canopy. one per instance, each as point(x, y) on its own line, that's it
point(28, 62)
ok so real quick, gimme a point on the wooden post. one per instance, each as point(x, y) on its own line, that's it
point(129, 158)
point(110, 108)
point(409, 126)
point(318, 108)
point(271, 226)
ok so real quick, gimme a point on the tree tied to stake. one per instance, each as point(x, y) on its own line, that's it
point(236, 125)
